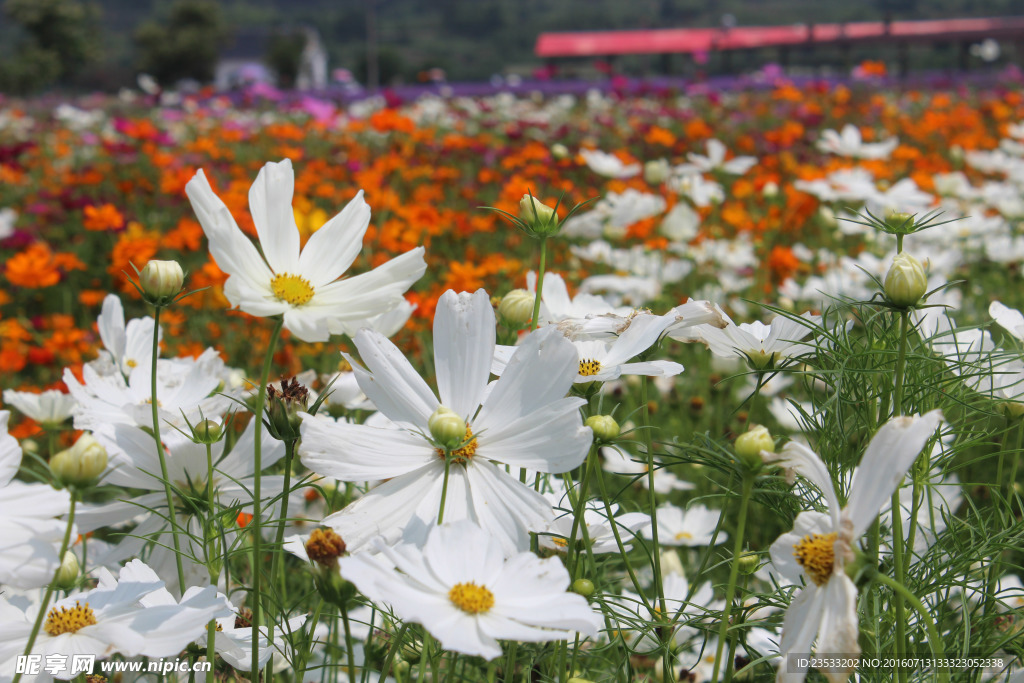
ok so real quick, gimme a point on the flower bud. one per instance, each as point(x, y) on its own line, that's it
point(584, 587)
point(447, 426)
point(284, 406)
point(541, 219)
point(770, 189)
point(559, 151)
point(605, 427)
point(67, 575)
point(906, 282)
point(748, 563)
point(748, 446)
point(516, 308)
point(207, 431)
point(81, 464)
point(656, 172)
point(161, 280)
point(899, 221)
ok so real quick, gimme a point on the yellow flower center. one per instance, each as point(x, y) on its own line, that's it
point(292, 289)
point(684, 536)
point(63, 620)
point(131, 363)
point(344, 366)
point(816, 554)
point(589, 367)
point(471, 598)
point(559, 541)
point(464, 452)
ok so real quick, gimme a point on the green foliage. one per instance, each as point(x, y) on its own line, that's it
point(185, 45)
point(56, 43)
point(284, 56)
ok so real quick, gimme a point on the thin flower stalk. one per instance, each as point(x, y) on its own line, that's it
point(730, 592)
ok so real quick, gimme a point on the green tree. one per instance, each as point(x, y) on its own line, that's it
point(56, 42)
point(185, 45)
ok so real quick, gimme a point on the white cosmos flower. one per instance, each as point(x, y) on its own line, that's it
point(603, 360)
point(48, 408)
point(694, 526)
point(30, 536)
point(112, 618)
point(523, 420)
point(1010, 319)
point(608, 165)
point(462, 589)
point(304, 287)
point(760, 344)
point(128, 346)
point(849, 143)
point(816, 551)
point(715, 161)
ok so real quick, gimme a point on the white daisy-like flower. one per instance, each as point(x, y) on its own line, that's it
point(694, 526)
point(762, 345)
point(1010, 319)
point(602, 360)
point(715, 160)
point(464, 591)
point(127, 346)
point(304, 287)
point(608, 165)
point(110, 619)
point(849, 143)
point(816, 551)
point(30, 534)
point(617, 461)
point(48, 408)
point(523, 420)
point(701, 191)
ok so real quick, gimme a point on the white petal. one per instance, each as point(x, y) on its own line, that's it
point(550, 440)
point(892, 451)
point(799, 627)
point(360, 453)
point(464, 338)
point(799, 458)
point(332, 249)
point(270, 202)
point(839, 625)
point(394, 386)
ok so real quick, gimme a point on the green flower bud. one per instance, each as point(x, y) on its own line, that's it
point(906, 282)
point(161, 280)
point(605, 427)
point(899, 221)
point(516, 308)
point(559, 151)
point(748, 446)
point(67, 575)
point(207, 431)
point(447, 427)
point(402, 669)
point(584, 587)
point(748, 563)
point(655, 172)
point(81, 464)
point(540, 219)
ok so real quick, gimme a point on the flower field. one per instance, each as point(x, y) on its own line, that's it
point(600, 388)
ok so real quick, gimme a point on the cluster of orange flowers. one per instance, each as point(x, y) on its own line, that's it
point(92, 203)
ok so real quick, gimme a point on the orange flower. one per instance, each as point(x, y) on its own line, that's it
point(103, 217)
point(33, 268)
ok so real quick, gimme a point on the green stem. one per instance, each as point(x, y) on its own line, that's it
point(276, 571)
point(444, 488)
point(393, 651)
point(302, 655)
point(897, 512)
point(172, 515)
point(510, 662)
point(659, 586)
point(350, 652)
point(211, 648)
point(65, 544)
point(734, 571)
point(571, 556)
point(540, 283)
point(257, 570)
point(934, 639)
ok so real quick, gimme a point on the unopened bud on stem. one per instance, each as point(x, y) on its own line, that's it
point(906, 282)
point(162, 280)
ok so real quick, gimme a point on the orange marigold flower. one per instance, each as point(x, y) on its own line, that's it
point(33, 268)
point(103, 217)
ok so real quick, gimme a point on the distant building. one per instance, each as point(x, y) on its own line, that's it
point(245, 61)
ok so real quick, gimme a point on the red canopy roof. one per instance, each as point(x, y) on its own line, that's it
point(597, 43)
